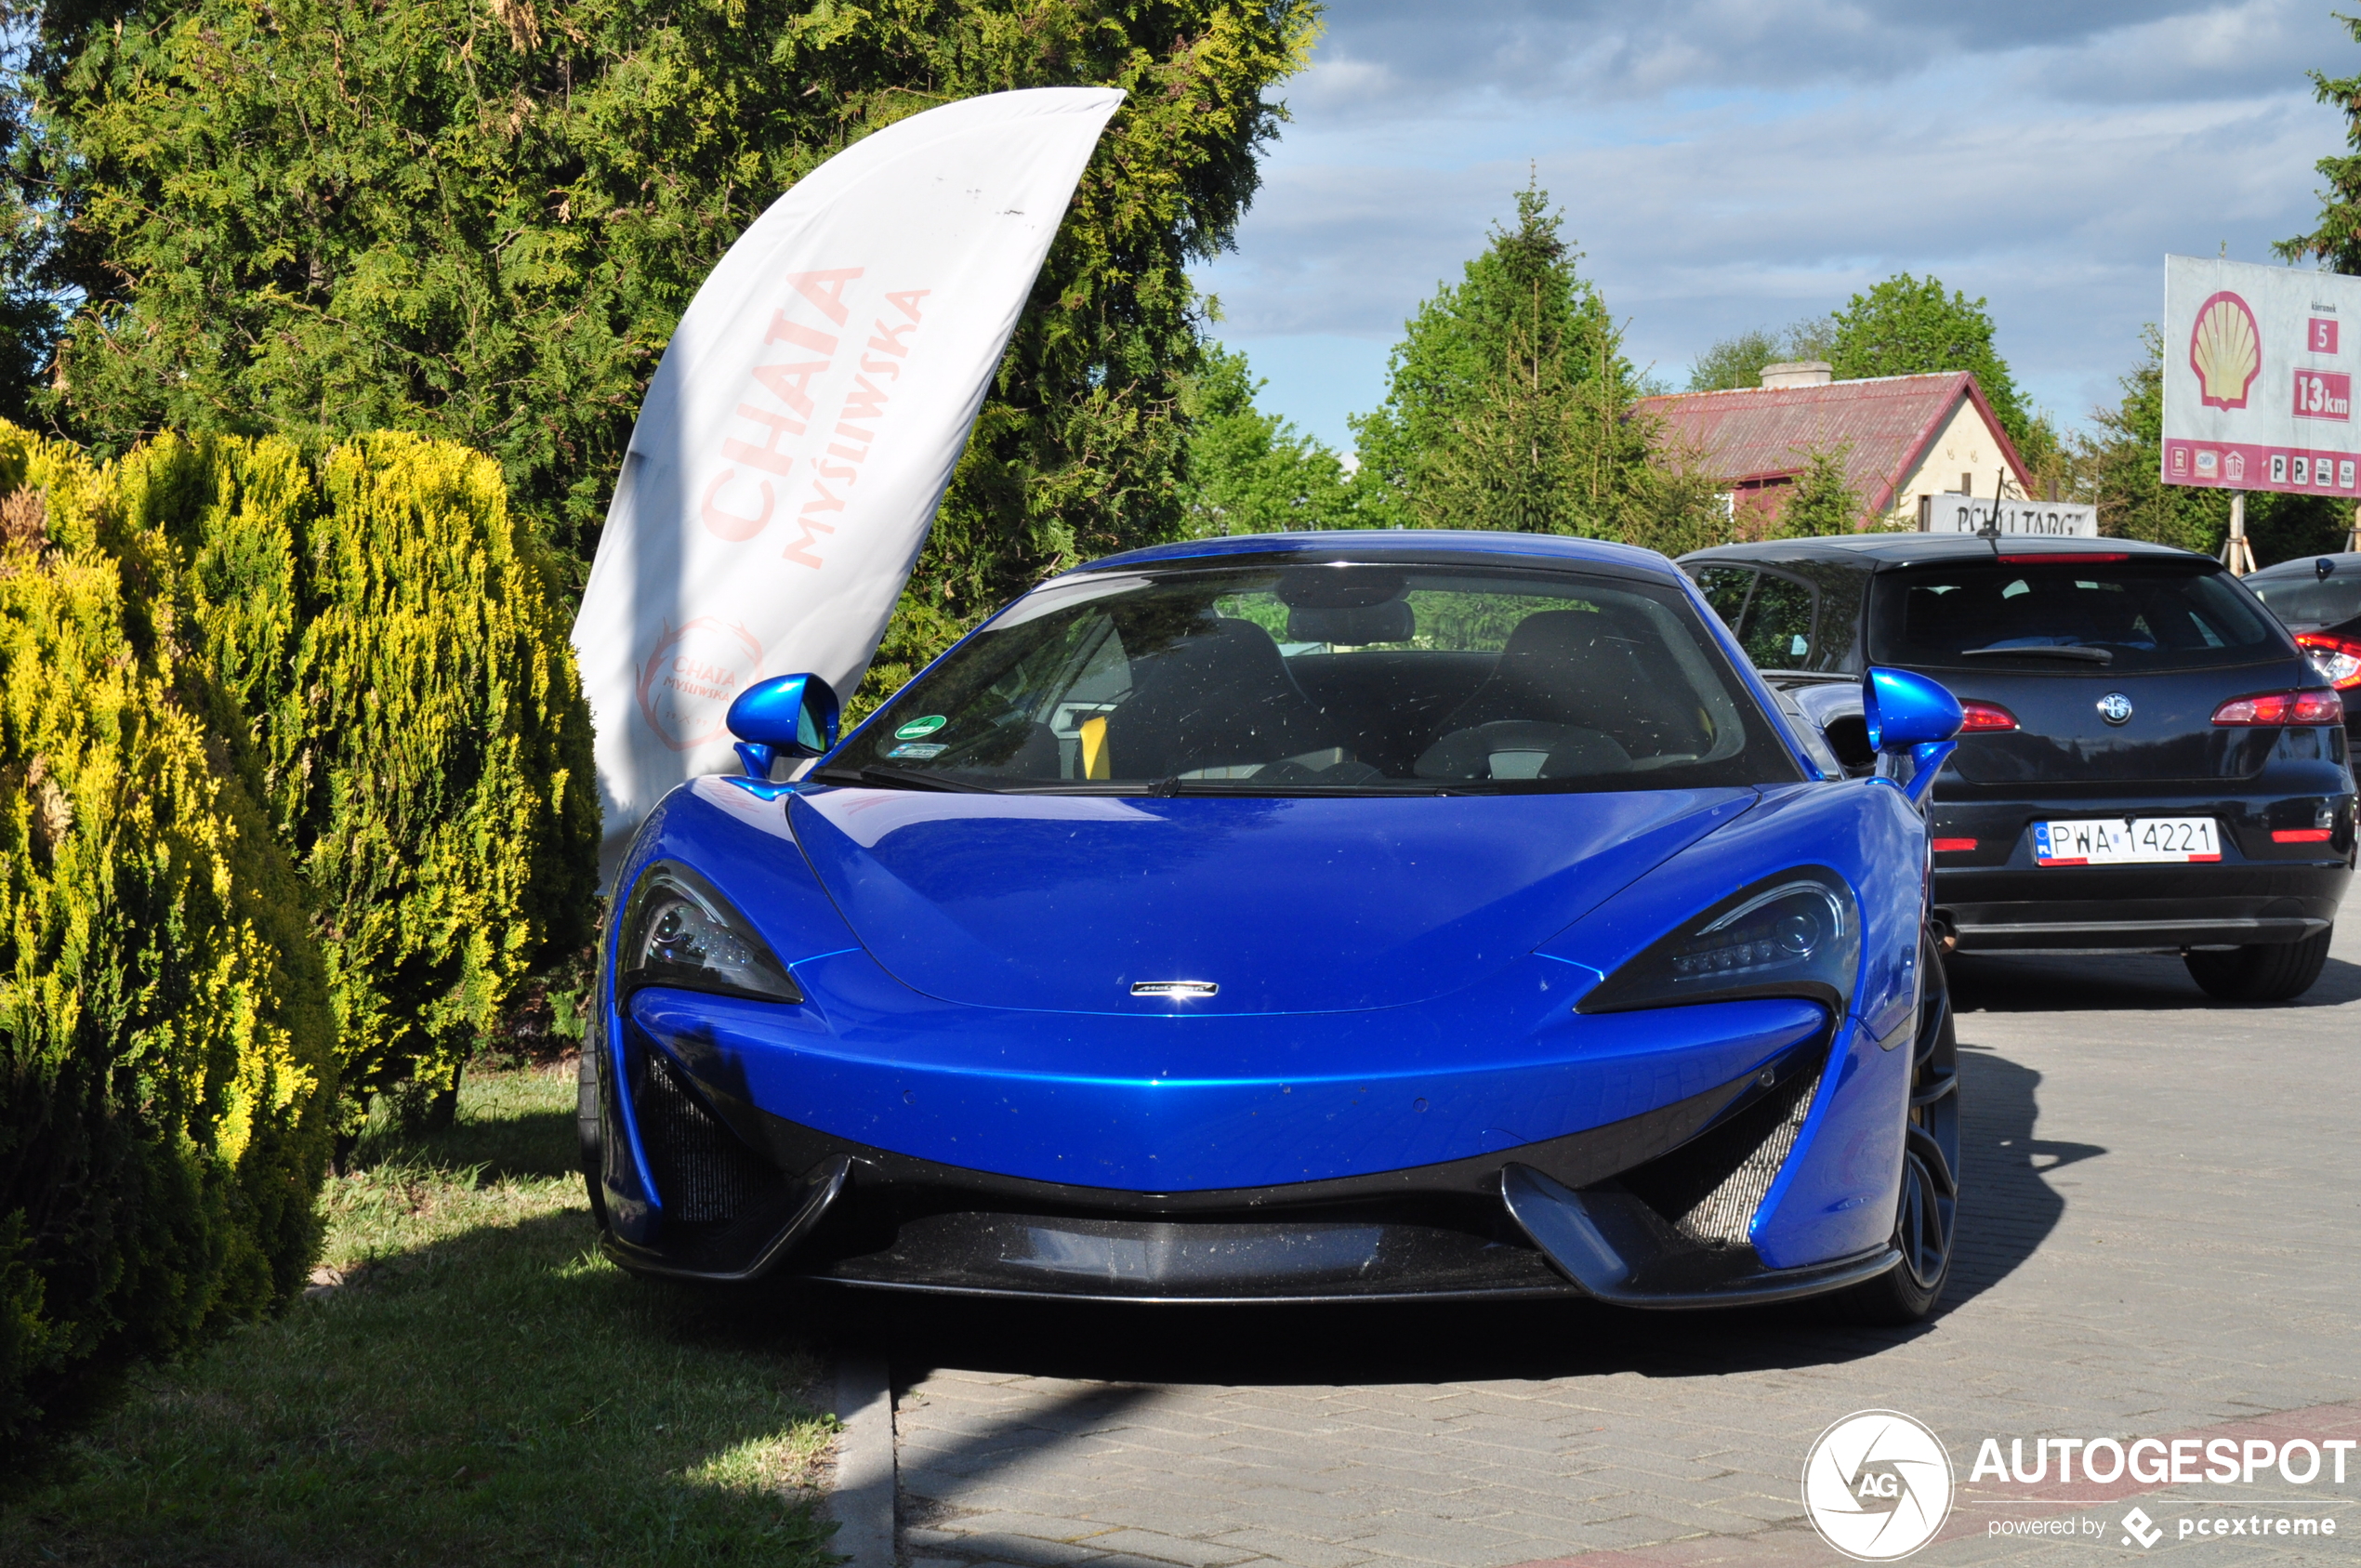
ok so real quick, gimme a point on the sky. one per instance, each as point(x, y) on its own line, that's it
point(1731, 163)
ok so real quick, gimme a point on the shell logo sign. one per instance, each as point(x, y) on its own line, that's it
point(2225, 350)
point(2261, 395)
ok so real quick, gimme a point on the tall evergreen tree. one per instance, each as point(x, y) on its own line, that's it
point(2335, 244)
point(1910, 326)
point(1487, 423)
point(32, 314)
point(1510, 405)
point(481, 219)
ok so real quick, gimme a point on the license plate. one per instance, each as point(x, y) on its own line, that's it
point(2127, 842)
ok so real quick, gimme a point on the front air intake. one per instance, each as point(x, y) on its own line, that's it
point(1711, 1186)
point(703, 1173)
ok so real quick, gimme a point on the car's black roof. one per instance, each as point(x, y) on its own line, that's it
point(1879, 551)
point(2340, 565)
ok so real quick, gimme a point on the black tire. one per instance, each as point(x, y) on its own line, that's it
point(1927, 1210)
point(2280, 972)
point(588, 1131)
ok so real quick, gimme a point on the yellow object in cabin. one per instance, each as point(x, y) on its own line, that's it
point(1096, 764)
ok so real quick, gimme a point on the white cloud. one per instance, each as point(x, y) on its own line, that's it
point(1726, 166)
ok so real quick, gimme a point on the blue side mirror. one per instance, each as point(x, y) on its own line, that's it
point(794, 714)
point(1907, 713)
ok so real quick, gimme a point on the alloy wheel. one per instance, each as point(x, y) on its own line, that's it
point(1928, 1215)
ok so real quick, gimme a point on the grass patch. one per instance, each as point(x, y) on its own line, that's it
point(483, 1389)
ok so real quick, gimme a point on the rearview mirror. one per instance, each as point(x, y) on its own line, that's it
point(1910, 715)
point(790, 714)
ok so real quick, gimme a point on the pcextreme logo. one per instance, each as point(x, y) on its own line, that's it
point(1876, 1485)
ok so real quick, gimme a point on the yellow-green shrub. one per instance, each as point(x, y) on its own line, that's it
point(166, 1046)
point(383, 634)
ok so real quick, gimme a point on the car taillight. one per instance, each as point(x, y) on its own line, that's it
point(1952, 846)
point(1986, 717)
point(2338, 658)
point(2282, 708)
point(2301, 834)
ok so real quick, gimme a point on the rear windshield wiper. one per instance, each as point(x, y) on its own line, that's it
point(897, 778)
point(2044, 651)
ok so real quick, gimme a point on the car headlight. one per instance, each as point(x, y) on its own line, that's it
point(678, 930)
point(1796, 934)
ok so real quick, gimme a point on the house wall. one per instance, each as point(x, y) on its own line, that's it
point(1755, 505)
point(1966, 446)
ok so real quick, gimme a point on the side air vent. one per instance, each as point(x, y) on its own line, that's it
point(703, 1173)
point(1711, 1186)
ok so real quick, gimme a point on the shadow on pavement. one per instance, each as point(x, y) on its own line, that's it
point(1335, 1344)
point(2134, 982)
point(2010, 1210)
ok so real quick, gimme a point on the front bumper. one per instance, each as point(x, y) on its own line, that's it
point(1653, 1210)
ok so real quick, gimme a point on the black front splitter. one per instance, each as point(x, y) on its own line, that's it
point(1606, 1245)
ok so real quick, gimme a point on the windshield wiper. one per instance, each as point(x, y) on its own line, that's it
point(2044, 651)
point(898, 778)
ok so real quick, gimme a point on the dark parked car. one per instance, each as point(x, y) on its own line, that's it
point(2319, 598)
point(2150, 763)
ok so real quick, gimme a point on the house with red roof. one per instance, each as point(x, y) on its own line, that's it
point(1903, 437)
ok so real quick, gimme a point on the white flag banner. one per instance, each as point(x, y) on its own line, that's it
point(804, 423)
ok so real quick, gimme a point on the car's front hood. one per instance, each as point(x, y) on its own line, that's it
point(1064, 902)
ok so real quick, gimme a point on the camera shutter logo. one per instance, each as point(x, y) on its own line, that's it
point(1877, 1485)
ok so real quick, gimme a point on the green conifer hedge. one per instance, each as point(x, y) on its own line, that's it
point(166, 1046)
point(385, 638)
point(294, 787)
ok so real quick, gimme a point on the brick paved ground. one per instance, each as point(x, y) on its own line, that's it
point(2160, 1238)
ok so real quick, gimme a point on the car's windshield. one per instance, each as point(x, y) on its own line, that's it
point(2065, 615)
point(1330, 678)
point(2311, 600)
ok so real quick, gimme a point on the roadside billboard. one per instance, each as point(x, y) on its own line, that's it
point(1956, 513)
point(2257, 377)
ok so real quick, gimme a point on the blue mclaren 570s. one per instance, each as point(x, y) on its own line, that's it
point(1300, 917)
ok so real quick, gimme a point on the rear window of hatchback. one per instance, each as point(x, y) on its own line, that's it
point(2065, 615)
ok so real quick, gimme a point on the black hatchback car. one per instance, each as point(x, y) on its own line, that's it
point(2149, 763)
point(2320, 600)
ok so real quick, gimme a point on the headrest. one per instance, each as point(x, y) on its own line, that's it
point(1548, 634)
point(1237, 650)
point(1376, 622)
point(1338, 586)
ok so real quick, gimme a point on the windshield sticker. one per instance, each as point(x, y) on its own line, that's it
point(919, 751)
point(918, 728)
